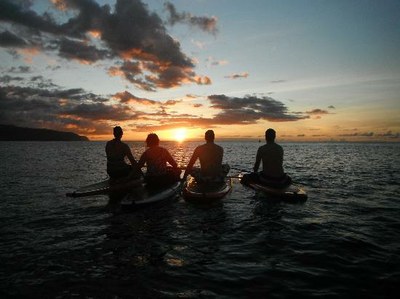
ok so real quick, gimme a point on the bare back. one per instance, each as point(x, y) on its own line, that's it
point(271, 155)
point(210, 156)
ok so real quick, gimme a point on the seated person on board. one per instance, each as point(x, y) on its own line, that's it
point(116, 151)
point(210, 156)
point(156, 158)
point(271, 155)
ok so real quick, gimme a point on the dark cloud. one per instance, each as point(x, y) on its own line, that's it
point(71, 49)
point(143, 52)
point(317, 112)
point(59, 109)
point(250, 109)
point(20, 69)
point(127, 97)
point(231, 111)
point(207, 24)
point(8, 79)
point(99, 111)
point(8, 39)
point(171, 102)
point(238, 76)
point(17, 12)
point(331, 107)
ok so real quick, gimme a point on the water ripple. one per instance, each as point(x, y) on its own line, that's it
point(343, 242)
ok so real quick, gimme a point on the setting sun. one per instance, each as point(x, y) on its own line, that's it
point(180, 134)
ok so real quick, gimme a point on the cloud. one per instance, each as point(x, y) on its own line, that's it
point(207, 24)
point(250, 109)
point(364, 134)
point(238, 76)
point(127, 97)
point(229, 111)
point(331, 107)
point(71, 49)
point(43, 104)
point(99, 111)
point(278, 81)
point(171, 102)
point(19, 70)
point(213, 62)
point(389, 134)
point(8, 39)
point(134, 39)
point(8, 79)
point(60, 109)
point(18, 12)
point(317, 112)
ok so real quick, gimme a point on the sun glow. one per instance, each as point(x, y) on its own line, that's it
point(180, 134)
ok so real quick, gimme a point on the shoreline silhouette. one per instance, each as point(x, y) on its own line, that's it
point(14, 133)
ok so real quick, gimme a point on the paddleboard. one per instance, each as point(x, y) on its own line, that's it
point(144, 196)
point(205, 191)
point(105, 187)
point(290, 193)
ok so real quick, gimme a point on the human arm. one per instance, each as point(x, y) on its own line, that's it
point(170, 160)
point(142, 160)
point(258, 160)
point(129, 155)
point(107, 149)
point(191, 163)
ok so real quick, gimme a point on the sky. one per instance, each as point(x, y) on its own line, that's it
point(314, 70)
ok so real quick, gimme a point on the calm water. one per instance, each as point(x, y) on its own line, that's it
point(343, 242)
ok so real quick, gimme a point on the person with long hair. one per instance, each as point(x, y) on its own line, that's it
point(156, 159)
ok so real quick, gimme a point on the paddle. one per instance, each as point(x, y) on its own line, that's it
point(247, 171)
point(241, 170)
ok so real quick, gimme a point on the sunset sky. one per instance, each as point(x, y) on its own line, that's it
point(315, 70)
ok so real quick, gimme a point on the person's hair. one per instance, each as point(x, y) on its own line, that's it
point(117, 131)
point(209, 135)
point(152, 140)
point(270, 135)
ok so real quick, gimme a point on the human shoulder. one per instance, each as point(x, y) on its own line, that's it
point(263, 147)
point(125, 146)
point(278, 146)
point(218, 146)
point(110, 144)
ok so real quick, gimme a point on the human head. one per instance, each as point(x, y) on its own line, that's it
point(118, 132)
point(152, 140)
point(270, 135)
point(209, 136)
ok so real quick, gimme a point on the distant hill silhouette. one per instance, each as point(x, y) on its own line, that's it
point(13, 133)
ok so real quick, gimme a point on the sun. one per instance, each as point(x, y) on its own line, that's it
point(180, 134)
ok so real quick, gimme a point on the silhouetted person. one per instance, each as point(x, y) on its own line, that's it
point(116, 151)
point(271, 155)
point(210, 156)
point(156, 158)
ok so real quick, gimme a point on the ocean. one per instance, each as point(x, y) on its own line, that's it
point(343, 242)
